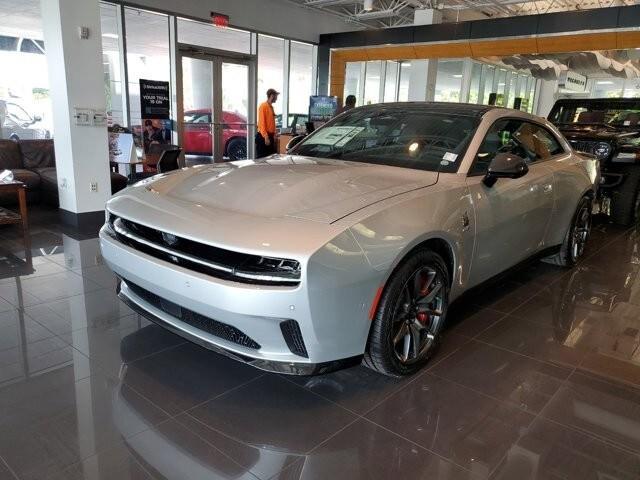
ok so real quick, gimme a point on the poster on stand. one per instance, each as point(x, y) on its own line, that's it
point(155, 108)
point(322, 108)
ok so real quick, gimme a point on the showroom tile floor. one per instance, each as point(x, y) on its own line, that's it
point(538, 377)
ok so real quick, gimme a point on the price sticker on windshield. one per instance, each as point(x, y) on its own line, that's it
point(450, 157)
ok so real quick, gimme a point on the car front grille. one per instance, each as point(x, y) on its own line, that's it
point(586, 146)
point(206, 324)
point(214, 261)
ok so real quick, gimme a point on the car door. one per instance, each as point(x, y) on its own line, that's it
point(511, 216)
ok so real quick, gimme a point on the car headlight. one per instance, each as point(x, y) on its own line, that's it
point(602, 150)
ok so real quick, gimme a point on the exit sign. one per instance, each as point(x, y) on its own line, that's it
point(219, 20)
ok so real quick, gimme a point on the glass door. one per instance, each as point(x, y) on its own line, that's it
point(197, 109)
point(234, 126)
point(216, 123)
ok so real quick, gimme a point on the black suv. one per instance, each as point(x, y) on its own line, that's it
point(608, 128)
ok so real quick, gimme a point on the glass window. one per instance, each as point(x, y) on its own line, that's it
point(403, 87)
point(632, 88)
point(352, 80)
point(488, 74)
point(391, 81)
point(208, 35)
point(417, 138)
point(607, 88)
point(527, 140)
point(147, 57)
point(24, 80)
point(510, 89)
point(270, 68)
point(372, 82)
point(449, 81)
point(474, 87)
point(500, 82)
point(113, 87)
point(301, 81)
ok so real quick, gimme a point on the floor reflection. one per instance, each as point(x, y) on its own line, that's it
point(538, 377)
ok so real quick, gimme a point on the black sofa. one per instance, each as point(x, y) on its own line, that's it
point(33, 162)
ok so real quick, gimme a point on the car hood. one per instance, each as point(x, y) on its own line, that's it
point(289, 186)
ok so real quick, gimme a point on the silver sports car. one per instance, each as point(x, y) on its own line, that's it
point(354, 244)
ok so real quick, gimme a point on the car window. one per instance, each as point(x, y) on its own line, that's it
point(197, 118)
point(418, 138)
point(525, 139)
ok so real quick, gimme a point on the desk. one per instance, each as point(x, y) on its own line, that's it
point(9, 217)
point(283, 140)
point(148, 162)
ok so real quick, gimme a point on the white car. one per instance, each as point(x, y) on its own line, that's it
point(354, 245)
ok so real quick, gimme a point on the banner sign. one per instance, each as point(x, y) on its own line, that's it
point(155, 99)
point(573, 81)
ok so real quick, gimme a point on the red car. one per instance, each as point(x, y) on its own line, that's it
point(197, 134)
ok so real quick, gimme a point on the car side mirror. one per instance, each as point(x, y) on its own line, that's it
point(294, 141)
point(37, 118)
point(505, 165)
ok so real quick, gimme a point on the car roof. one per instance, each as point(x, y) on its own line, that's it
point(468, 109)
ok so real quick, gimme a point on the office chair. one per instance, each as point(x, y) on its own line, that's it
point(169, 160)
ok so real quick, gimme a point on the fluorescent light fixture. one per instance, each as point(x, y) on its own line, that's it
point(457, 76)
point(501, 84)
point(367, 5)
point(604, 82)
point(110, 35)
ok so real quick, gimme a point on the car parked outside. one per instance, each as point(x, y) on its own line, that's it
point(198, 139)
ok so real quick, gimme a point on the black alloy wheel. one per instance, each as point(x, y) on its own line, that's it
point(237, 149)
point(412, 310)
point(580, 231)
point(418, 314)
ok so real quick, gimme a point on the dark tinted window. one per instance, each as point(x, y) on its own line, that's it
point(410, 138)
point(618, 114)
point(527, 140)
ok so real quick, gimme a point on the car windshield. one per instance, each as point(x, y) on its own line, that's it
point(411, 138)
point(617, 114)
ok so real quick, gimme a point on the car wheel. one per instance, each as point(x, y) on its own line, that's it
point(625, 201)
point(410, 315)
point(237, 149)
point(575, 242)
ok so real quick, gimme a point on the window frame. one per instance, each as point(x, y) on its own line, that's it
point(521, 119)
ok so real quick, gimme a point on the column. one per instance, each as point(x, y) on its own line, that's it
point(77, 82)
point(546, 96)
point(422, 79)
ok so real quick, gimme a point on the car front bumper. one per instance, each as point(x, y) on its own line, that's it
point(252, 311)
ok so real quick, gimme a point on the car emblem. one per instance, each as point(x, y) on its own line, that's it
point(169, 239)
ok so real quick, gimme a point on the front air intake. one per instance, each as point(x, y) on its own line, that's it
point(292, 335)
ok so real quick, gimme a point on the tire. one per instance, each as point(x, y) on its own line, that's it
point(422, 276)
point(577, 236)
point(237, 149)
point(625, 201)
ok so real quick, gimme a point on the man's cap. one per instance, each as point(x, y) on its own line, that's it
point(272, 91)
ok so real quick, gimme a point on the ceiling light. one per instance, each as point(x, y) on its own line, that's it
point(605, 82)
point(368, 5)
point(457, 75)
point(109, 35)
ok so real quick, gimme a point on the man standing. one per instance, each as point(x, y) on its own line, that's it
point(265, 138)
point(349, 103)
